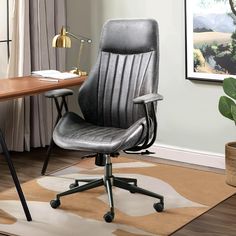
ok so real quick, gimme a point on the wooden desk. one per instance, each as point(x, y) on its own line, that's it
point(30, 85)
point(11, 88)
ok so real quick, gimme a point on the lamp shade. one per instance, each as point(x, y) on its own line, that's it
point(61, 40)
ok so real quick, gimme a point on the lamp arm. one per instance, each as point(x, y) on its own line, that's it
point(80, 52)
point(81, 38)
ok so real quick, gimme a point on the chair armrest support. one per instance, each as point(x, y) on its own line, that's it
point(147, 98)
point(150, 118)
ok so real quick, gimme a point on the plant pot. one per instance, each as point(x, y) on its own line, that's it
point(230, 163)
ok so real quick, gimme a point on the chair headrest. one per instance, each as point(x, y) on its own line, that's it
point(129, 36)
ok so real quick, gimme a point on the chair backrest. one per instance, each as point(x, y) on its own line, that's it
point(127, 67)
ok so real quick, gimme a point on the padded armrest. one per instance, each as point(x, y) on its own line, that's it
point(58, 93)
point(151, 97)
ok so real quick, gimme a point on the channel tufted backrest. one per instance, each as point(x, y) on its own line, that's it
point(127, 67)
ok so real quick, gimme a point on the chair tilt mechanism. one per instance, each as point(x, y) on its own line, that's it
point(118, 102)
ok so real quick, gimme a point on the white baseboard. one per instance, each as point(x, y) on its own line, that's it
point(215, 160)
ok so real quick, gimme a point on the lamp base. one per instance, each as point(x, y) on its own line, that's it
point(79, 72)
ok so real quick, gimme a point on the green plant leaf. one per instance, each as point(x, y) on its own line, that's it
point(233, 112)
point(229, 86)
point(225, 105)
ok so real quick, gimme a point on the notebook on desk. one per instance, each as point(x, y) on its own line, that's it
point(54, 74)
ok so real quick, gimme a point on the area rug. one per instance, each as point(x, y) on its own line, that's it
point(188, 193)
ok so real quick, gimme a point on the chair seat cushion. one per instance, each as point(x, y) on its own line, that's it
point(73, 132)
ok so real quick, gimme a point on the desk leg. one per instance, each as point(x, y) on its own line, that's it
point(59, 115)
point(45, 164)
point(14, 177)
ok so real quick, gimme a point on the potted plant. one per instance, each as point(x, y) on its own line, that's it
point(227, 108)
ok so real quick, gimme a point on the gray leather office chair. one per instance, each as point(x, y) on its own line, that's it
point(118, 101)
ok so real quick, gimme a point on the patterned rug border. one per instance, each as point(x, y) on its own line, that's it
point(62, 168)
point(141, 159)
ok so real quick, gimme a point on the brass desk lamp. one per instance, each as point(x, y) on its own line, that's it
point(63, 40)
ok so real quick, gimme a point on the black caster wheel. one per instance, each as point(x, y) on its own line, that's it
point(109, 216)
point(73, 185)
point(55, 203)
point(159, 207)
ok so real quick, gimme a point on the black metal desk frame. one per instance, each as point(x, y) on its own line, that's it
point(26, 86)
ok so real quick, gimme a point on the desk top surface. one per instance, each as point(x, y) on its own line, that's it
point(29, 85)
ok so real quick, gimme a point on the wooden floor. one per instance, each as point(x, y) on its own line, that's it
point(221, 220)
point(28, 165)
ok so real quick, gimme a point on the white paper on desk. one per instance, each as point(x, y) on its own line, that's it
point(54, 74)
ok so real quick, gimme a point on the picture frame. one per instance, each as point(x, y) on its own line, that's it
point(210, 34)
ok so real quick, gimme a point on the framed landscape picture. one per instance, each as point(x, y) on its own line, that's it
point(210, 39)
